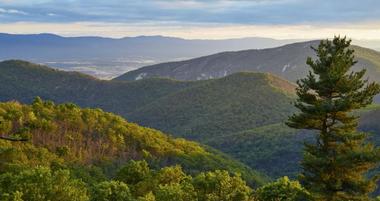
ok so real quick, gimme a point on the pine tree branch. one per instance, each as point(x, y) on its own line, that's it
point(13, 139)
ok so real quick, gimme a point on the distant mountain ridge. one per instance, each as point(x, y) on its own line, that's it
point(287, 61)
point(108, 57)
point(51, 46)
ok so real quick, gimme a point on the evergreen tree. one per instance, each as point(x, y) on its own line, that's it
point(335, 166)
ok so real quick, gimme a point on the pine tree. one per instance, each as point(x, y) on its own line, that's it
point(334, 167)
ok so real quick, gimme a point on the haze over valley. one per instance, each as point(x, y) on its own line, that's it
point(107, 58)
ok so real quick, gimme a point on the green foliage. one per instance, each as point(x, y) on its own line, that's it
point(111, 191)
point(134, 172)
point(90, 174)
point(67, 135)
point(277, 149)
point(334, 167)
point(171, 183)
point(274, 149)
point(23, 81)
point(219, 107)
point(220, 186)
point(138, 176)
point(165, 184)
point(19, 156)
point(82, 149)
point(41, 184)
point(205, 105)
point(176, 191)
point(170, 175)
point(282, 190)
point(174, 184)
point(148, 197)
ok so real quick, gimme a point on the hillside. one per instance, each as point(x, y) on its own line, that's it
point(22, 81)
point(218, 107)
point(68, 135)
point(287, 62)
point(196, 110)
point(192, 109)
point(369, 122)
point(276, 149)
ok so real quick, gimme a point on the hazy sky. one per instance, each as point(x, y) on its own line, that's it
point(211, 19)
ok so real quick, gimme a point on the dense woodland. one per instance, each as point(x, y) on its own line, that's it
point(98, 155)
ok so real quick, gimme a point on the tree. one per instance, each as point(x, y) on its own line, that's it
point(334, 167)
point(111, 191)
point(281, 190)
point(137, 175)
point(148, 197)
point(41, 184)
point(176, 191)
point(174, 184)
point(13, 139)
point(170, 175)
point(133, 172)
point(220, 186)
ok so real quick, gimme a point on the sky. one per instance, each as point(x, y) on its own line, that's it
point(194, 19)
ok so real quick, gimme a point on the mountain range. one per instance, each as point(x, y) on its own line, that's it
point(201, 110)
point(108, 57)
point(288, 61)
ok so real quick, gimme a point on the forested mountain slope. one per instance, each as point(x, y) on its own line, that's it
point(201, 110)
point(23, 81)
point(257, 98)
point(276, 149)
point(287, 61)
point(67, 135)
point(218, 107)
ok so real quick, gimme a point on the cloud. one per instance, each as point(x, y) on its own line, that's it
point(181, 4)
point(194, 18)
point(12, 11)
point(197, 11)
point(367, 31)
